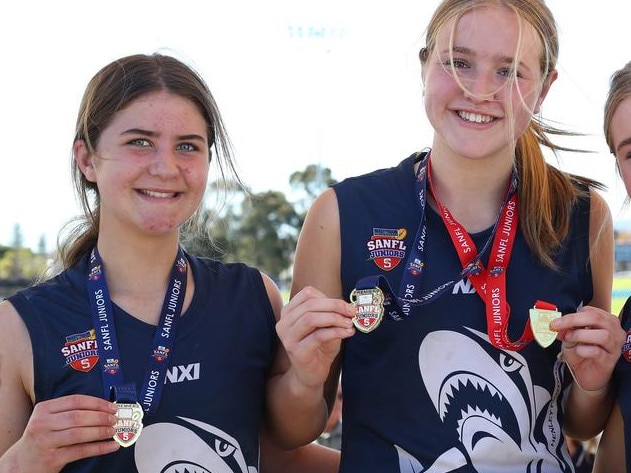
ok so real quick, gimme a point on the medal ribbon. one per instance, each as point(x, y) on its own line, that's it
point(397, 308)
point(490, 284)
point(109, 353)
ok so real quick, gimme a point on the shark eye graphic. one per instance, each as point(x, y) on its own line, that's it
point(509, 364)
point(223, 448)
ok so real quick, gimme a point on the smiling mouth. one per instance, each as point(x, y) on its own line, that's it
point(475, 117)
point(159, 195)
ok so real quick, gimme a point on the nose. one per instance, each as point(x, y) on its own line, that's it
point(481, 87)
point(163, 163)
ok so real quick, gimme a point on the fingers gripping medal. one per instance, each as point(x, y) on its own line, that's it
point(369, 304)
point(540, 317)
point(130, 414)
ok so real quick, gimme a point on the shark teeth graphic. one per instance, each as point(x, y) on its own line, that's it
point(461, 381)
point(185, 467)
point(477, 412)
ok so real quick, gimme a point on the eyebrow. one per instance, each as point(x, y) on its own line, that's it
point(140, 131)
point(470, 52)
point(623, 143)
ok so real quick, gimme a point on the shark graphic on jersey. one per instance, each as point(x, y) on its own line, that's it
point(193, 446)
point(492, 408)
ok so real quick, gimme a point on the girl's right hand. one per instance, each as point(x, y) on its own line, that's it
point(64, 430)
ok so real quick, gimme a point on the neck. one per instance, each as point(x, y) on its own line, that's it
point(138, 274)
point(472, 189)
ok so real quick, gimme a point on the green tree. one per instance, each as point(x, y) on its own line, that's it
point(219, 222)
point(309, 184)
point(268, 232)
point(258, 229)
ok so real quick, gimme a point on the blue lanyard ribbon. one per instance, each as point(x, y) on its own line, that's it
point(109, 353)
point(399, 307)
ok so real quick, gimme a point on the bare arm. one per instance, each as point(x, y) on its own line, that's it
point(311, 458)
point(45, 438)
point(592, 337)
point(311, 328)
point(610, 457)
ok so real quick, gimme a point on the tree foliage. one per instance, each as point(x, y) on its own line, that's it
point(259, 229)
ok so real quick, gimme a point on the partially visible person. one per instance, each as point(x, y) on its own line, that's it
point(332, 435)
point(582, 453)
point(139, 357)
point(614, 450)
point(456, 259)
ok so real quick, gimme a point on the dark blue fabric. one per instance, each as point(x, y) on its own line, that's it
point(212, 401)
point(622, 379)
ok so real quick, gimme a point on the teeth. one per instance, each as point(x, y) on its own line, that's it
point(159, 195)
point(475, 117)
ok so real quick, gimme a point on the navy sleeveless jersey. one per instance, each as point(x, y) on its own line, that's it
point(430, 392)
point(209, 415)
point(622, 380)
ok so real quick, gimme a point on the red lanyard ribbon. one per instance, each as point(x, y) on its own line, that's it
point(489, 284)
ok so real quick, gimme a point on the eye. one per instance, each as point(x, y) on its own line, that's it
point(223, 448)
point(140, 142)
point(509, 364)
point(187, 147)
point(456, 63)
point(509, 71)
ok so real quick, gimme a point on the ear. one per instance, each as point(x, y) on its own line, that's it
point(547, 83)
point(83, 158)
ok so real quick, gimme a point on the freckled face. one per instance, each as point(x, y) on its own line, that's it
point(621, 136)
point(476, 110)
point(151, 165)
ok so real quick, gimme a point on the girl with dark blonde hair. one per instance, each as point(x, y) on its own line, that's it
point(480, 275)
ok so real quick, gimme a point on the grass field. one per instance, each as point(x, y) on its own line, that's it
point(621, 291)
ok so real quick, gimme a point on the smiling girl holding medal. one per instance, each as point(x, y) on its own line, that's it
point(614, 450)
point(457, 260)
point(137, 344)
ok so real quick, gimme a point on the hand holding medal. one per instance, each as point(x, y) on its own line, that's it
point(311, 328)
point(592, 341)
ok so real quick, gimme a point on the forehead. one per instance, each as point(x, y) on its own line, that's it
point(161, 108)
point(491, 30)
point(621, 123)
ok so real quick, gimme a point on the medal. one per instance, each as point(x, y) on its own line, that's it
point(369, 304)
point(129, 423)
point(540, 317)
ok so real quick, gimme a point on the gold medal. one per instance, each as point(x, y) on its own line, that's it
point(129, 423)
point(540, 323)
point(369, 303)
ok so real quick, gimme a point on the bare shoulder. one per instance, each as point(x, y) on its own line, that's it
point(601, 249)
point(13, 332)
point(324, 209)
point(16, 353)
point(318, 253)
point(273, 293)
point(16, 376)
point(600, 212)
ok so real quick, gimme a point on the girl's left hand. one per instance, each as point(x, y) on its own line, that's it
point(592, 343)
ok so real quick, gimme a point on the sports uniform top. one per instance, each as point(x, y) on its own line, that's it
point(209, 415)
point(622, 382)
point(429, 392)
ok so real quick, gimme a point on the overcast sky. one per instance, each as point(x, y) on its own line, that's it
point(334, 82)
